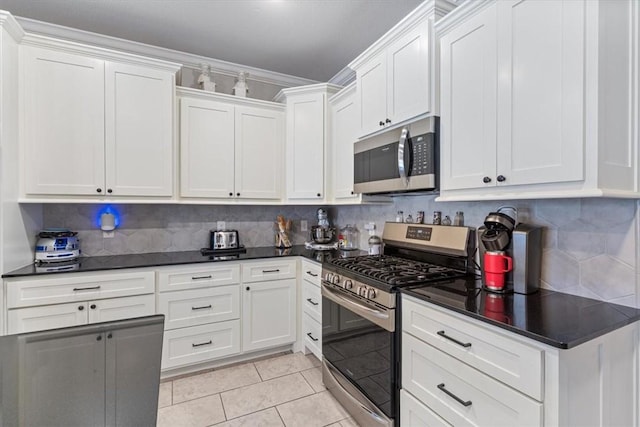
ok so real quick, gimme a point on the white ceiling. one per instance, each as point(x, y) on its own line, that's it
point(313, 39)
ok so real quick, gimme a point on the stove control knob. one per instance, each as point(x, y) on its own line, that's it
point(362, 291)
point(348, 284)
point(371, 293)
point(329, 277)
point(335, 279)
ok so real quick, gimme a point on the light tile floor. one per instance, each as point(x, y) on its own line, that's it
point(285, 390)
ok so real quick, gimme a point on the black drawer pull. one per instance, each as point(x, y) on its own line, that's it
point(91, 288)
point(460, 401)
point(463, 344)
point(312, 301)
point(277, 270)
point(311, 336)
point(312, 274)
point(201, 308)
point(200, 277)
point(202, 343)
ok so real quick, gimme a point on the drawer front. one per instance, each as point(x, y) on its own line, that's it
point(200, 343)
point(175, 279)
point(494, 353)
point(312, 334)
point(121, 308)
point(33, 319)
point(199, 306)
point(312, 300)
point(414, 413)
point(268, 270)
point(72, 287)
point(311, 271)
point(460, 394)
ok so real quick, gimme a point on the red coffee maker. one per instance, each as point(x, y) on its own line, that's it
point(510, 253)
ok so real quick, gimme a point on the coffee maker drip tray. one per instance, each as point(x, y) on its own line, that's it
point(321, 246)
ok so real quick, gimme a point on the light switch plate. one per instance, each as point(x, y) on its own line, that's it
point(221, 225)
point(108, 234)
point(303, 225)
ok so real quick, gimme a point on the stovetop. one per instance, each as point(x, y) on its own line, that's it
point(392, 271)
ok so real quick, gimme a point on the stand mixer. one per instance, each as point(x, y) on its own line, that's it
point(323, 234)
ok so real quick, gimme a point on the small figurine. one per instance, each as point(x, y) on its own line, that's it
point(241, 89)
point(204, 79)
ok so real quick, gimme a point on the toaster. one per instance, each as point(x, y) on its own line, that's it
point(224, 239)
point(57, 245)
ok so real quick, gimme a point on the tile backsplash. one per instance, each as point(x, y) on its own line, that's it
point(589, 244)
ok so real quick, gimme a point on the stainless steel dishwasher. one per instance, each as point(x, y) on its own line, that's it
point(107, 374)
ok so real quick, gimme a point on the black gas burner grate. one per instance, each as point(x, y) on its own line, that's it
point(394, 270)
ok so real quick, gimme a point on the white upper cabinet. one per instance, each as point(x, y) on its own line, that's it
point(107, 116)
point(306, 141)
point(230, 148)
point(539, 99)
point(139, 130)
point(344, 130)
point(62, 122)
point(396, 77)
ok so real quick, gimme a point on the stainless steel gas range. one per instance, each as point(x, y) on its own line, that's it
point(361, 316)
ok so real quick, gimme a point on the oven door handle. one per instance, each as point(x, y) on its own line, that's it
point(384, 319)
point(402, 145)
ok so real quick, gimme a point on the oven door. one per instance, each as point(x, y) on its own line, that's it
point(359, 356)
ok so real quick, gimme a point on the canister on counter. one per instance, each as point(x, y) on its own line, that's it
point(437, 217)
point(420, 217)
point(375, 245)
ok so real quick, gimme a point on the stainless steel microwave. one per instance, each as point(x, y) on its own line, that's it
point(398, 161)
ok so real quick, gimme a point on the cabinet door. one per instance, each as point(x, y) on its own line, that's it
point(408, 75)
point(541, 104)
point(206, 148)
point(62, 379)
point(268, 314)
point(344, 133)
point(138, 130)
point(305, 146)
point(63, 123)
point(259, 152)
point(46, 317)
point(372, 94)
point(107, 310)
point(468, 103)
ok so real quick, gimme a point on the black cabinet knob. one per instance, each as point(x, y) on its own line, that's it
point(93, 306)
point(99, 338)
point(387, 121)
point(352, 192)
point(248, 288)
point(110, 335)
point(319, 195)
point(381, 123)
point(230, 194)
point(238, 194)
point(109, 190)
point(486, 180)
point(501, 178)
point(99, 190)
point(81, 307)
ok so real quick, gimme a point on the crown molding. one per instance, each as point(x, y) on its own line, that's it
point(11, 25)
point(461, 14)
point(428, 9)
point(182, 91)
point(344, 77)
point(328, 88)
point(345, 92)
point(186, 59)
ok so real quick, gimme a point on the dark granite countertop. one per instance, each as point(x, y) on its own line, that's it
point(157, 259)
point(557, 319)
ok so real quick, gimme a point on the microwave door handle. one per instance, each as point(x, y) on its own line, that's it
point(402, 145)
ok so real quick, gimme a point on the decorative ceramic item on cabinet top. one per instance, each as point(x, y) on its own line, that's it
point(204, 79)
point(241, 89)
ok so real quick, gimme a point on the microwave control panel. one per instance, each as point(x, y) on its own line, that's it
point(423, 153)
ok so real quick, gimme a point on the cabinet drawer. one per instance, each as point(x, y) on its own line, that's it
point(311, 272)
point(269, 270)
point(121, 308)
point(200, 343)
point(502, 357)
point(312, 335)
point(199, 306)
point(176, 279)
point(33, 319)
point(72, 287)
point(312, 300)
point(414, 413)
point(435, 378)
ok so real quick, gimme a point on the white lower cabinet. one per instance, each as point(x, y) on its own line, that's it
point(269, 313)
point(199, 306)
point(463, 372)
point(312, 309)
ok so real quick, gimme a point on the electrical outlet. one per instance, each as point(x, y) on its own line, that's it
point(221, 225)
point(303, 225)
point(108, 234)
